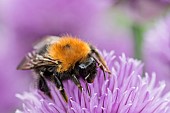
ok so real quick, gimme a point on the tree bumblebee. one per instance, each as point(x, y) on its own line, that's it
point(62, 58)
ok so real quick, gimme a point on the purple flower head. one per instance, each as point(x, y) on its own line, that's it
point(125, 91)
point(142, 11)
point(157, 50)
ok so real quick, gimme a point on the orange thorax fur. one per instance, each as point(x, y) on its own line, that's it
point(68, 51)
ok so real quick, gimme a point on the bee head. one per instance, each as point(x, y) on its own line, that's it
point(87, 69)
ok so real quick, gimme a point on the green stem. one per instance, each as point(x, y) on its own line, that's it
point(138, 37)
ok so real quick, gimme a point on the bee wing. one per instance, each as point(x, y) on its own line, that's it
point(33, 60)
point(38, 57)
point(45, 41)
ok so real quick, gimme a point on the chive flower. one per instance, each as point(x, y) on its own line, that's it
point(124, 91)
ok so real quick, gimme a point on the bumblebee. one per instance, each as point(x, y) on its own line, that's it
point(61, 58)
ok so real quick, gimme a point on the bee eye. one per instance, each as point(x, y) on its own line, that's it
point(87, 63)
point(82, 66)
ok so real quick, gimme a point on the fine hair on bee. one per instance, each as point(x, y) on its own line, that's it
point(61, 58)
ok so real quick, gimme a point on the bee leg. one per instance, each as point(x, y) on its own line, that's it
point(60, 87)
point(42, 85)
point(102, 68)
point(100, 60)
point(86, 80)
point(87, 87)
point(76, 81)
